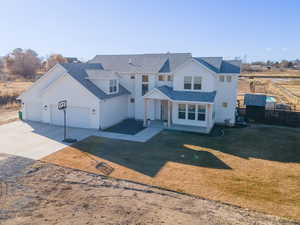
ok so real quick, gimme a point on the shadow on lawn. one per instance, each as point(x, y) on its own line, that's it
point(147, 158)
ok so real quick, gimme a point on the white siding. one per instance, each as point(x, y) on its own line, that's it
point(76, 96)
point(113, 111)
point(176, 120)
point(193, 68)
point(226, 92)
point(33, 111)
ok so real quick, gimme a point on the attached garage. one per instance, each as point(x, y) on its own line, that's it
point(76, 116)
point(33, 111)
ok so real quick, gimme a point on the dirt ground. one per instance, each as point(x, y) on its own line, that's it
point(8, 115)
point(49, 194)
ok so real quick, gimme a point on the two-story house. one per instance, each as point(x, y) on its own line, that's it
point(174, 88)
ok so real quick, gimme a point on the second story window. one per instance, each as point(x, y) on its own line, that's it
point(145, 84)
point(197, 83)
point(188, 83)
point(161, 77)
point(112, 86)
point(170, 78)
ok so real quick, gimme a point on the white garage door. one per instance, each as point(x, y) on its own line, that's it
point(33, 111)
point(76, 116)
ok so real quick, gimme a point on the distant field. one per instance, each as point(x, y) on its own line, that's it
point(9, 91)
point(274, 73)
point(8, 88)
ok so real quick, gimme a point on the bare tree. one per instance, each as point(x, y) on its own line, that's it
point(23, 62)
point(53, 60)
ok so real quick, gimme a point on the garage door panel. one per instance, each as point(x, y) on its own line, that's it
point(34, 111)
point(76, 116)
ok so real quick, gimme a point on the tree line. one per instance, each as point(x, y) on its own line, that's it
point(26, 63)
point(260, 66)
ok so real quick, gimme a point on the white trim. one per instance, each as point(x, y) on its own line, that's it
point(154, 90)
point(189, 61)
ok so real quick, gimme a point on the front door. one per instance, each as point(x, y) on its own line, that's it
point(164, 110)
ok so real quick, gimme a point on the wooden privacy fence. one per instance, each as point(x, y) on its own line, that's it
point(275, 117)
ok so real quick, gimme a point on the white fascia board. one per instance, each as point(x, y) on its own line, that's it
point(154, 90)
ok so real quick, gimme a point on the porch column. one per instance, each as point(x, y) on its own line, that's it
point(208, 116)
point(169, 113)
point(145, 111)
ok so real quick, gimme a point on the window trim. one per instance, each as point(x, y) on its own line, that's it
point(228, 79)
point(192, 83)
point(181, 111)
point(198, 84)
point(113, 86)
point(184, 82)
point(145, 83)
point(196, 112)
point(222, 78)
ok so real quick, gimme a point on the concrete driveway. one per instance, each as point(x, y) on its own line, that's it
point(35, 140)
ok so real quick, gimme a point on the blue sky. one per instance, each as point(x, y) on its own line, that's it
point(265, 29)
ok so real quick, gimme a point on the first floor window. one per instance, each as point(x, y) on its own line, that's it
point(188, 83)
point(170, 78)
point(112, 86)
point(191, 112)
point(145, 84)
point(181, 111)
point(201, 112)
point(161, 77)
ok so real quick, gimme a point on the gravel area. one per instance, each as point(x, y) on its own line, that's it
point(48, 194)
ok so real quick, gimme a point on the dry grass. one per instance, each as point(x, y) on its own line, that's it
point(256, 168)
point(274, 73)
point(11, 88)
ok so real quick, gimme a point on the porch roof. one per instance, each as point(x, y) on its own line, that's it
point(191, 96)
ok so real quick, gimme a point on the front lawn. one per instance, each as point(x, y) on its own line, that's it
point(257, 168)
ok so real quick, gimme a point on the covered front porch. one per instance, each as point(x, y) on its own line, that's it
point(160, 110)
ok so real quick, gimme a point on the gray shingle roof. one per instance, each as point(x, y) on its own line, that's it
point(231, 66)
point(151, 63)
point(218, 65)
point(213, 63)
point(190, 96)
point(255, 100)
point(78, 72)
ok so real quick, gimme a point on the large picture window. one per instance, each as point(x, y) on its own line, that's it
point(145, 84)
point(191, 112)
point(201, 112)
point(112, 86)
point(181, 111)
point(197, 83)
point(187, 83)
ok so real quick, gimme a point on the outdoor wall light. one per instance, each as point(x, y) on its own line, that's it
point(93, 111)
point(45, 107)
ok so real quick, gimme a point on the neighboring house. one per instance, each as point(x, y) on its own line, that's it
point(72, 60)
point(176, 88)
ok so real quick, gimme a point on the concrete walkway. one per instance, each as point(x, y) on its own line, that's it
point(142, 136)
point(36, 140)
